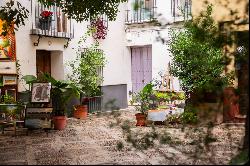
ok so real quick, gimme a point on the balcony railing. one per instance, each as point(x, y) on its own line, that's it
point(146, 12)
point(58, 25)
point(181, 9)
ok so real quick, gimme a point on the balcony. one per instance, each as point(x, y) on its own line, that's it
point(140, 11)
point(56, 25)
point(181, 10)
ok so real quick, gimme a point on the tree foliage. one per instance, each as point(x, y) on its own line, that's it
point(197, 54)
point(12, 14)
point(82, 10)
point(86, 67)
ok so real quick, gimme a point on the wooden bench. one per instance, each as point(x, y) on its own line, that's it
point(38, 118)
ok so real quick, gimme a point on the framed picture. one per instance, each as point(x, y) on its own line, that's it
point(9, 80)
point(41, 92)
point(7, 46)
point(11, 92)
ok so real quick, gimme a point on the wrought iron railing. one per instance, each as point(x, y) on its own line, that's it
point(146, 12)
point(95, 104)
point(57, 25)
point(181, 9)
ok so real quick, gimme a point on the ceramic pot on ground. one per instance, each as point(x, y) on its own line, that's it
point(59, 122)
point(81, 111)
point(141, 119)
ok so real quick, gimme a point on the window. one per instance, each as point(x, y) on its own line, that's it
point(180, 8)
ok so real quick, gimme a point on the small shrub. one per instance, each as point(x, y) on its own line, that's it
point(119, 145)
point(209, 139)
point(126, 126)
point(189, 117)
point(173, 119)
point(165, 138)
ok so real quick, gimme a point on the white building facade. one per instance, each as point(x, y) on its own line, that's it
point(134, 56)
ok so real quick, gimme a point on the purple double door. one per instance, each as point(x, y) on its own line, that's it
point(141, 67)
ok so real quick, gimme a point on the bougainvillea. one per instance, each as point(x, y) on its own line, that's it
point(100, 30)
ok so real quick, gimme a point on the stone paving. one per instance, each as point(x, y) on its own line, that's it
point(94, 142)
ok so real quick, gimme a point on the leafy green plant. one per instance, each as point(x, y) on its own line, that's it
point(80, 11)
point(189, 117)
point(173, 119)
point(7, 99)
point(162, 97)
point(147, 99)
point(86, 68)
point(29, 79)
point(61, 92)
point(198, 58)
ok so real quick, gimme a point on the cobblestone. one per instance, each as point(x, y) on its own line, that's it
point(93, 141)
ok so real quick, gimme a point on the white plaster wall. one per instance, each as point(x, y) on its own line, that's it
point(57, 65)
point(114, 46)
point(160, 53)
point(117, 70)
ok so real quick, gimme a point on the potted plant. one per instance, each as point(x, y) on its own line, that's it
point(85, 74)
point(45, 19)
point(61, 92)
point(147, 100)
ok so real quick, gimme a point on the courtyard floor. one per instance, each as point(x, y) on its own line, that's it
point(101, 140)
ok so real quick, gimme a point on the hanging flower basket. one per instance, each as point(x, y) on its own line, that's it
point(99, 27)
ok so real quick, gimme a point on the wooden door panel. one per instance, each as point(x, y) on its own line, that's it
point(141, 67)
point(43, 62)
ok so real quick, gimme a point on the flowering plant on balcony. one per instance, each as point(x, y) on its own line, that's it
point(100, 30)
point(45, 15)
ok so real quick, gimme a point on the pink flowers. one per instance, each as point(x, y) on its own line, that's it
point(101, 29)
point(46, 14)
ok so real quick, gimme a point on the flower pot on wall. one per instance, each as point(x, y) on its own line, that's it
point(44, 24)
point(81, 111)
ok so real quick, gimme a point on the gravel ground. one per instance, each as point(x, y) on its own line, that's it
point(101, 140)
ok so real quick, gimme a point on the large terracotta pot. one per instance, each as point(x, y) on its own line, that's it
point(230, 104)
point(59, 122)
point(141, 119)
point(81, 111)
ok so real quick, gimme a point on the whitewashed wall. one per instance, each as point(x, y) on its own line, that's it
point(117, 70)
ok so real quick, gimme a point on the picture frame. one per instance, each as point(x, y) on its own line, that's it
point(9, 80)
point(40, 92)
point(8, 47)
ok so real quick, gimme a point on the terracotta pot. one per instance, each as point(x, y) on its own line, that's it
point(141, 119)
point(81, 111)
point(59, 122)
point(230, 104)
